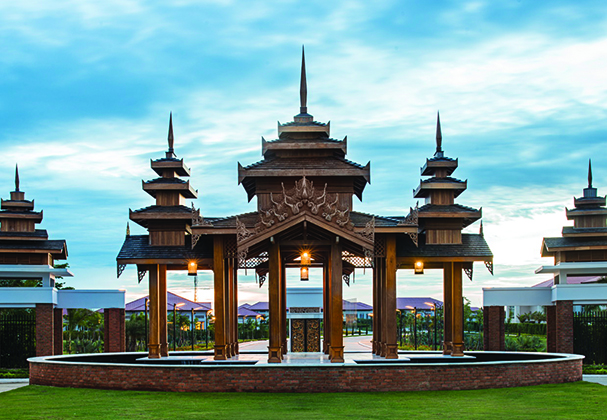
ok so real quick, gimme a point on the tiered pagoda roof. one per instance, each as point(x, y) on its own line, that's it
point(20, 241)
point(169, 219)
point(586, 240)
point(303, 148)
point(441, 219)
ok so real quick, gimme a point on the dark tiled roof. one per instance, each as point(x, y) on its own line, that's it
point(138, 246)
point(446, 179)
point(51, 245)
point(443, 158)
point(569, 242)
point(361, 219)
point(325, 162)
point(303, 124)
point(166, 181)
point(452, 208)
point(38, 233)
point(572, 230)
point(473, 245)
point(165, 209)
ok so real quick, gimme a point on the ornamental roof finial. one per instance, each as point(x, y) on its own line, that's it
point(589, 173)
point(171, 133)
point(303, 87)
point(439, 137)
point(17, 177)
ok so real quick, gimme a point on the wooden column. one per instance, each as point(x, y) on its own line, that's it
point(327, 306)
point(383, 302)
point(234, 270)
point(458, 311)
point(447, 307)
point(229, 308)
point(336, 353)
point(283, 309)
point(162, 310)
point(375, 340)
point(219, 285)
point(391, 345)
point(274, 295)
point(154, 335)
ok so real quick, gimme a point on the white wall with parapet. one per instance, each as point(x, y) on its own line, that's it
point(28, 297)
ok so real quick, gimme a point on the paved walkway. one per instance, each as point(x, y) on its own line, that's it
point(597, 379)
point(10, 384)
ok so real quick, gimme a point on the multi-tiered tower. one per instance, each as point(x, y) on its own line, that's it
point(440, 218)
point(169, 220)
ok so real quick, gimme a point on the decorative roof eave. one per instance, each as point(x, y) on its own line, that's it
point(182, 188)
point(394, 229)
point(173, 263)
point(570, 231)
point(58, 253)
point(449, 164)
point(364, 172)
point(402, 262)
point(455, 215)
point(299, 145)
point(572, 213)
point(174, 164)
point(11, 204)
point(35, 216)
point(424, 188)
point(312, 127)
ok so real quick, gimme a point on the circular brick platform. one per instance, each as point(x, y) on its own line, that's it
point(489, 370)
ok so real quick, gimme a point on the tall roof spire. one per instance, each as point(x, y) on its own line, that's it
point(589, 173)
point(303, 87)
point(171, 133)
point(17, 177)
point(439, 137)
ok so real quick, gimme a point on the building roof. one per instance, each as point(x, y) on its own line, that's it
point(552, 244)
point(408, 303)
point(138, 247)
point(244, 310)
point(349, 305)
point(57, 247)
point(137, 305)
point(259, 306)
point(473, 245)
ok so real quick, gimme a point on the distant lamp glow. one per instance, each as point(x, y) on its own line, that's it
point(192, 268)
point(304, 274)
point(306, 260)
point(419, 267)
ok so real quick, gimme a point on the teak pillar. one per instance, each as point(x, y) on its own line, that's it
point(283, 308)
point(382, 321)
point(162, 310)
point(457, 312)
point(390, 327)
point(447, 308)
point(220, 293)
point(229, 308)
point(234, 280)
point(325, 309)
point(154, 337)
point(274, 297)
point(336, 353)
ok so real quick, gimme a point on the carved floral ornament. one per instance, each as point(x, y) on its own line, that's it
point(304, 196)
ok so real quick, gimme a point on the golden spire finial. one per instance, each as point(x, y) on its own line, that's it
point(303, 86)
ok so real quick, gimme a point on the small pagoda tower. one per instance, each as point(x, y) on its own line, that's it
point(169, 220)
point(20, 242)
point(585, 241)
point(440, 218)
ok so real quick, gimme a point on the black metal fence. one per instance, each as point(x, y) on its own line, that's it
point(17, 338)
point(590, 336)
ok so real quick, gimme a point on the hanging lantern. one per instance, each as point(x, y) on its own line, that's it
point(305, 258)
point(304, 274)
point(192, 268)
point(419, 267)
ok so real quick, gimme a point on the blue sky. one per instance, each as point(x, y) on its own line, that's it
point(87, 87)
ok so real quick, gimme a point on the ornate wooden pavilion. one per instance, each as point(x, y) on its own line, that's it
point(304, 187)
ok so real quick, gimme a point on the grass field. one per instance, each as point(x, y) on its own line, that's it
point(579, 400)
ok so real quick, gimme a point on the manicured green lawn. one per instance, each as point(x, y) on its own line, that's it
point(579, 400)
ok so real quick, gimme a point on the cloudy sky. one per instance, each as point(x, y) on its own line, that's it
point(86, 88)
